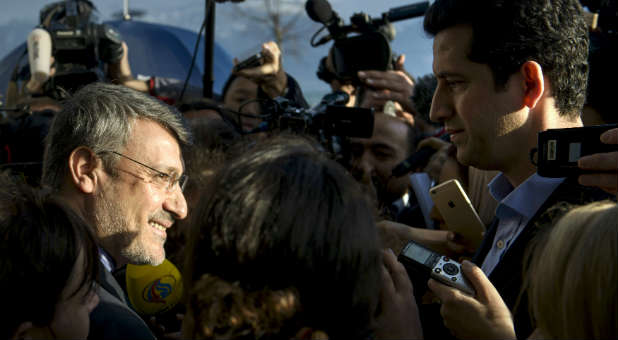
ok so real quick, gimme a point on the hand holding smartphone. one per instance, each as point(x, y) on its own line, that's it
point(253, 61)
point(455, 207)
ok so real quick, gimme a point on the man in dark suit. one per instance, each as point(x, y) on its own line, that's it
point(114, 156)
point(506, 70)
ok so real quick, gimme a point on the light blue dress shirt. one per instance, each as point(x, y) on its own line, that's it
point(517, 206)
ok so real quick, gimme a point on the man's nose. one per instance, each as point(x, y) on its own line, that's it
point(362, 168)
point(176, 204)
point(441, 105)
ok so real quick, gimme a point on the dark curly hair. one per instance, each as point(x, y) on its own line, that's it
point(507, 33)
point(282, 222)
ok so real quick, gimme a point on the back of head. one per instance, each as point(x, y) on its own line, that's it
point(40, 244)
point(572, 276)
point(283, 241)
point(100, 116)
point(508, 33)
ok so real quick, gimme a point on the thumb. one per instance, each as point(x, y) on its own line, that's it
point(485, 290)
point(610, 136)
point(399, 63)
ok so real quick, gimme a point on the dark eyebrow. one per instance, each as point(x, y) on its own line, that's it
point(448, 75)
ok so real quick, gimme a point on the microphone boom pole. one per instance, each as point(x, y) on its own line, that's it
point(209, 42)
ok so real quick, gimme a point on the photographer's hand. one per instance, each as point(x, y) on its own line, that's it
point(484, 316)
point(605, 163)
point(398, 316)
point(120, 72)
point(270, 75)
point(393, 85)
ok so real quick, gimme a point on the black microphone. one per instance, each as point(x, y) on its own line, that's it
point(321, 11)
point(407, 12)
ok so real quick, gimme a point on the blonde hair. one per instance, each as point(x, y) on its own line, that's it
point(573, 275)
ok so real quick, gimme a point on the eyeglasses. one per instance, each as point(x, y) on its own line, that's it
point(161, 179)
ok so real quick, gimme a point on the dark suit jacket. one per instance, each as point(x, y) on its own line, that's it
point(507, 276)
point(113, 318)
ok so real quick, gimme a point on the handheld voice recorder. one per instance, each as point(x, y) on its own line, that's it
point(421, 260)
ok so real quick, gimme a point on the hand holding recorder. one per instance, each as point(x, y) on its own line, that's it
point(486, 314)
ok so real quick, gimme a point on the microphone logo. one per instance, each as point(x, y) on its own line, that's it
point(158, 290)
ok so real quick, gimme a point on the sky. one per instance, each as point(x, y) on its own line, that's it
point(239, 35)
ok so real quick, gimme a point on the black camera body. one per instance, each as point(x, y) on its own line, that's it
point(329, 118)
point(560, 149)
point(79, 45)
point(369, 51)
point(365, 43)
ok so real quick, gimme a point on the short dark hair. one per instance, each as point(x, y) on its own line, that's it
point(41, 240)
point(283, 220)
point(507, 33)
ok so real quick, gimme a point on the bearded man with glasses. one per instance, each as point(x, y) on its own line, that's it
point(114, 156)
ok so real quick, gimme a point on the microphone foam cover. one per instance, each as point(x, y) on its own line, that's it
point(319, 10)
point(153, 290)
point(39, 56)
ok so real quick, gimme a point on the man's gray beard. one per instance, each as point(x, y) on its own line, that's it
point(108, 216)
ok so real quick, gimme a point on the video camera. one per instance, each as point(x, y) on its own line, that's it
point(369, 49)
point(327, 121)
point(329, 118)
point(79, 45)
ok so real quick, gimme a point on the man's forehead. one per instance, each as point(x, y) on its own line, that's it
point(151, 142)
point(450, 48)
point(387, 131)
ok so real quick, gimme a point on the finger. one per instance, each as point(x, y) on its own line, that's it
point(258, 72)
point(607, 161)
point(610, 136)
point(485, 290)
point(400, 61)
point(606, 181)
point(442, 291)
point(388, 287)
point(399, 275)
point(235, 61)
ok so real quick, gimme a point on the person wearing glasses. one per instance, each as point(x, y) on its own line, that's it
point(113, 155)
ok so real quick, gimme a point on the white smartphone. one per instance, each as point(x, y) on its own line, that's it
point(455, 207)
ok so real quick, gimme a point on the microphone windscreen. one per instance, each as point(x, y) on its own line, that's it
point(39, 56)
point(319, 10)
point(153, 290)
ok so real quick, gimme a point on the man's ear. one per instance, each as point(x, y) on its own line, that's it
point(82, 165)
point(534, 83)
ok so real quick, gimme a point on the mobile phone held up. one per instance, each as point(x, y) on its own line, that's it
point(457, 211)
point(560, 149)
point(422, 261)
point(253, 61)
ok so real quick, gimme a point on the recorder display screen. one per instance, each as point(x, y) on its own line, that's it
point(417, 253)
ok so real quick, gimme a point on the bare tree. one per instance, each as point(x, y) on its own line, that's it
point(282, 20)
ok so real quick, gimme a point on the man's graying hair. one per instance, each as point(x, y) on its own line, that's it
point(101, 117)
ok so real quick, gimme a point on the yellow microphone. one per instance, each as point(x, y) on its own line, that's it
point(153, 290)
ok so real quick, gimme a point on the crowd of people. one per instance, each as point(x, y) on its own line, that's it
point(284, 234)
